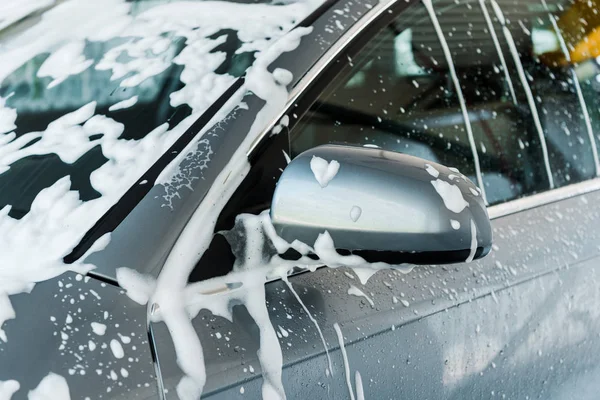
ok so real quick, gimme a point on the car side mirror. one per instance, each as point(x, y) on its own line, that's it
point(382, 206)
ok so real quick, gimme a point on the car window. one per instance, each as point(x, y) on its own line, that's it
point(396, 92)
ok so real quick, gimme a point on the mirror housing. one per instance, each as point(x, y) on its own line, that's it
point(382, 206)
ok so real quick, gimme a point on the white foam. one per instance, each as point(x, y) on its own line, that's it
point(124, 339)
point(313, 320)
point(117, 349)
point(98, 328)
point(473, 247)
point(451, 195)
point(432, 171)
point(13, 11)
point(8, 388)
point(360, 392)
point(340, 337)
point(130, 102)
point(364, 273)
point(139, 287)
point(52, 387)
point(354, 291)
point(66, 61)
point(324, 171)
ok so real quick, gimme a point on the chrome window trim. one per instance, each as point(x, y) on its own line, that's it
point(496, 211)
point(544, 198)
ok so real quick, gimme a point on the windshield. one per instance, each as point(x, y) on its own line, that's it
point(99, 102)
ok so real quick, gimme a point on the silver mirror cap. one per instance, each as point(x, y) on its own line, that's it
point(382, 205)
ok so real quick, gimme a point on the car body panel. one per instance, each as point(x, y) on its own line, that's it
point(521, 322)
point(53, 330)
point(500, 294)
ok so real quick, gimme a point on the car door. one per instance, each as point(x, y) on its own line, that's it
point(457, 84)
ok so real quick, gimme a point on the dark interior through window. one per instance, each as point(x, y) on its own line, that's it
point(397, 93)
point(393, 89)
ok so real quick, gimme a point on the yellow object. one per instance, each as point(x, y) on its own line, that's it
point(580, 28)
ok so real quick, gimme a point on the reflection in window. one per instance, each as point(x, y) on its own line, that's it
point(562, 113)
point(397, 94)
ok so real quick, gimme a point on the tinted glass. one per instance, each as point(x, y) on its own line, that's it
point(577, 47)
point(528, 126)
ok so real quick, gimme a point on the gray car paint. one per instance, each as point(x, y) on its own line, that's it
point(448, 305)
point(530, 308)
point(400, 209)
point(36, 347)
point(527, 313)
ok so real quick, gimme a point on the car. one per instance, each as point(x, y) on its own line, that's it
point(313, 199)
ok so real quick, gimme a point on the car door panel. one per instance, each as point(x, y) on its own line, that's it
point(532, 248)
point(66, 326)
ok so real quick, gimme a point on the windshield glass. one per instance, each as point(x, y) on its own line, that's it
point(98, 102)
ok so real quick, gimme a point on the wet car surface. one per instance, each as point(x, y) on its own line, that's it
point(198, 154)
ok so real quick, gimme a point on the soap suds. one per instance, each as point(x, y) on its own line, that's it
point(432, 171)
point(52, 387)
point(340, 337)
point(499, 51)
point(451, 195)
point(130, 102)
point(354, 291)
point(313, 320)
point(8, 388)
point(12, 12)
point(32, 248)
point(98, 328)
point(139, 287)
point(360, 393)
point(117, 349)
point(324, 171)
point(473, 247)
point(364, 274)
point(66, 61)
